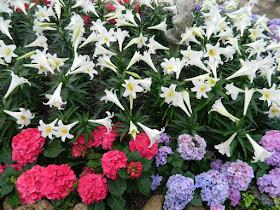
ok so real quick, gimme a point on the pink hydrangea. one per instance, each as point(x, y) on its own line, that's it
point(92, 188)
point(30, 186)
point(27, 145)
point(86, 171)
point(101, 137)
point(81, 140)
point(79, 150)
point(141, 144)
point(134, 169)
point(58, 181)
point(112, 161)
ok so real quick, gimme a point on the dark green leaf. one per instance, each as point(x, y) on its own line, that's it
point(144, 184)
point(134, 156)
point(97, 206)
point(94, 163)
point(116, 202)
point(6, 188)
point(54, 149)
point(196, 201)
point(94, 156)
point(14, 198)
point(117, 186)
point(123, 173)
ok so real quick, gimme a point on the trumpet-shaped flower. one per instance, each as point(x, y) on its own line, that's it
point(173, 66)
point(47, 130)
point(120, 35)
point(87, 6)
point(233, 91)
point(105, 62)
point(112, 96)
point(179, 102)
point(141, 41)
point(168, 93)
point(100, 50)
point(146, 83)
point(153, 134)
point(162, 26)
point(132, 87)
point(38, 28)
point(107, 122)
point(133, 130)
point(260, 154)
point(92, 38)
point(146, 57)
point(248, 97)
point(44, 13)
point(257, 47)
point(55, 99)
point(7, 51)
point(23, 117)
point(219, 107)
point(256, 33)
point(269, 95)
point(41, 41)
point(4, 7)
point(201, 88)
point(186, 97)
point(63, 130)
point(134, 59)
point(107, 37)
point(154, 45)
point(224, 148)
point(86, 67)
point(146, 3)
point(19, 4)
point(55, 61)
point(16, 81)
point(4, 27)
point(274, 111)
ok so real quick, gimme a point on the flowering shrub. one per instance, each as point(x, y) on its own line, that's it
point(269, 183)
point(134, 169)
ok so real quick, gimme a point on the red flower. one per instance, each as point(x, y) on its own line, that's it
point(87, 21)
point(134, 169)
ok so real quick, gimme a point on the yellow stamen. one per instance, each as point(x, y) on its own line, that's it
point(212, 52)
point(22, 117)
point(64, 131)
point(130, 86)
point(202, 89)
point(266, 95)
point(274, 111)
point(48, 130)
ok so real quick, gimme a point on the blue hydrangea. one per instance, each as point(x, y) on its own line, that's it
point(180, 192)
point(164, 138)
point(161, 156)
point(214, 187)
point(156, 180)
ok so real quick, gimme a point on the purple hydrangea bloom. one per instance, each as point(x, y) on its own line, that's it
point(191, 148)
point(164, 138)
point(274, 22)
point(180, 192)
point(270, 183)
point(197, 7)
point(238, 174)
point(156, 180)
point(161, 156)
point(214, 187)
point(216, 164)
point(219, 207)
point(271, 142)
point(234, 196)
point(274, 29)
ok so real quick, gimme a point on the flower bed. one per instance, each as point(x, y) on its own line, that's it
point(95, 107)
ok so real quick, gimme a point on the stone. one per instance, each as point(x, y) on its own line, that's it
point(80, 206)
point(154, 203)
point(40, 205)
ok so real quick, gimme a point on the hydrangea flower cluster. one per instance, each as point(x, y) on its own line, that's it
point(92, 188)
point(180, 192)
point(271, 142)
point(86, 171)
point(216, 164)
point(27, 145)
point(270, 183)
point(156, 180)
point(134, 169)
point(234, 196)
point(79, 146)
point(238, 174)
point(164, 138)
point(141, 144)
point(52, 182)
point(101, 137)
point(191, 148)
point(214, 187)
point(274, 28)
point(161, 156)
point(112, 161)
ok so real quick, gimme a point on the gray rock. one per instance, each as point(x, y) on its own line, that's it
point(80, 206)
point(154, 203)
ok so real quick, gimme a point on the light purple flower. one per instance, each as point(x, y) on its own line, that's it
point(234, 196)
point(161, 156)
point(164, 138)
point(216, 164)
point(270, 183)
point(156, 180)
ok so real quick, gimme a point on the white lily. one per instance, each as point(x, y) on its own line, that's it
point(248, 97)
point(201, 88)
point(141, 41)
point(132, 87)
point(100, 50)
point(23, 117)
point(274, 111)
point(133, 130)
point(269, 95)
point(179, 102)
point(224, 148)
point(147, 3)
point(153, 134)
point(134, 59)
point(219, 107)
point(107, 122)
point(16, 81)
point(233, 91)
point(105, 61)
point(55, 99)
point(63, 130)
point(47, 129)
point(7, 51)
point(41, 41)
point(120, 35)
point(186, 97)
point(154, 45)
point(146, 83)
point(260, 154)
point(146, 57)
point(162, 26)
point(92, 38)
point(4, 27)
point(112, 96)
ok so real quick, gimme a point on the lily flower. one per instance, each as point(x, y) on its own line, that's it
point(132, 87)
point(234, 43)
point(269, 95)
point(201, 88)
point(274, 111)
point(47, 130)
point(147, 3)
point(44, 13)
point(248, 97)
point(63, 130)
point(186, 97)
point(4, 27)
point(55, 61)
point(162, 26)
point(120, 35)
point(112, 96)
point(260, 154)
point(100, 50)
point(19, 4)
point(154, 45)
point(23, 117)
point(179, 102)
point(55, 99)
point(130, 17)
point(233, 91)
point(41, 41)
point(153, 134)
point(146, 83)
point(141, 41)
point(133, 130)
point(92, 38)
point(16, 81)
point(134, 59)
point(168, 93)
point(219, 107)
point(7, 51)
point(224, 148)
point(148, 60)
point(107, 122)
point(105, 61)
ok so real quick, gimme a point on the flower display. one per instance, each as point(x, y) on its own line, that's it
point(191, 148)
point(134, 169)
point(214, 187)
point(269, 183)
point(112, 161)
point(180, 192)
point(216, 164)
point(234, 196)
point(271, 142)
point(156, 180)
point(161, 156)
point(101, 137)
point(164, 138)
point(141, 144)
point(27, 145)
point(238, 174)
point(92, 188)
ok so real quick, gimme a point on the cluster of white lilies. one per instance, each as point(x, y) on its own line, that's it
point(262, 61)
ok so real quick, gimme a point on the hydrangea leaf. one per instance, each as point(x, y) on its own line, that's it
point(117, 186)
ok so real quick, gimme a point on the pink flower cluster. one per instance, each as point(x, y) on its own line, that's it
point(134, 169)
point(141, 144)
point(101, 137)
point(52, 182)
point(79, 147)
point(27, 145)
point(92, 188)
point(271, 142)
point(112, 161)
